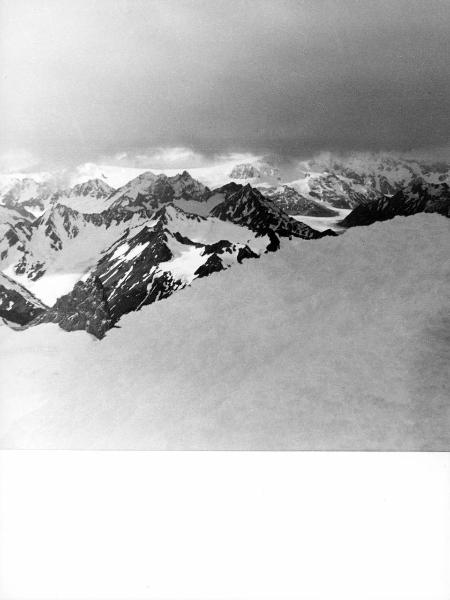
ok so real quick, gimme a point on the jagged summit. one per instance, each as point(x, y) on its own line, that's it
point(246, 206)
point(184, 175)
point(92, 187)
point(151, 190)
point(139, 185)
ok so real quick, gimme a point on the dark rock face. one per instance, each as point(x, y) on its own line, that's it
point(212, 265)
point(98, 303)
point(130, 284)
point(248, 207)
point(85, 307)
point(18, 305)
point(417, 197)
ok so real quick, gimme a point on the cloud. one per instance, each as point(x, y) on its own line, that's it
point(14, 161)
point(158, 158)
point(84, 80)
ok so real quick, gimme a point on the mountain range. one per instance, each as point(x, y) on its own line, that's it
point(83, 256)
point(150, 239)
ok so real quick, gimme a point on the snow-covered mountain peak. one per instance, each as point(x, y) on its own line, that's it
point(184, 175)
point(28, 195)
point(93, 187)
point(188, 188)
point(255, 170)
point(147, 176)
point(87, 197)
point(155, 190)
point(130, 191)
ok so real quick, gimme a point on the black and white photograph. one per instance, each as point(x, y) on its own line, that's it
point(224, 300)
point(225, 225)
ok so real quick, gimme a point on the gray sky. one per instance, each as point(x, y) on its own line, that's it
point(84, 79)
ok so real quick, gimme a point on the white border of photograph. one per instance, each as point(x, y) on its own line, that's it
point(224, 525)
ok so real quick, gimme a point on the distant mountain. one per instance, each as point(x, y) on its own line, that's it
point(293, 203)
point(247, 207)
point(387, 173)
point(341, 182)
point(93, 188)
point(361, 178)
point(255, 170)
point(150, 190)
point(28, 196)
point(87, 197)
point(418, 196)
point(334, 190)
point(17, 305)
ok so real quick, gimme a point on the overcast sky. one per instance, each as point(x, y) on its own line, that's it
point(85, 79)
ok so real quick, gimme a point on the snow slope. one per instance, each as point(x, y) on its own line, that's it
point(340, 343)
point(88, 197)
point(324, 223)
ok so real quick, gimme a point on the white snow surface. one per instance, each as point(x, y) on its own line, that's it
point(338, 343)
point(323, 223)
point(199, 208)
point(184, 262)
